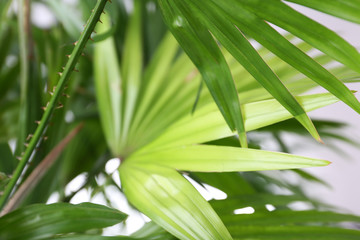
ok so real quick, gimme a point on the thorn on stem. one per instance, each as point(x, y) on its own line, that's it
point(75, 70)
point(60, 105)
point(44, 108)
point(18, 158)
point(68, 55)
point(26, 144)
point(29, 137)
point(75, 43)
point(59, 73)
point(37, 122)
point(52, 92)
point(100, 20)
point(65, 95)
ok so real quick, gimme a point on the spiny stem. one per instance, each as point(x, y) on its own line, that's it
point(39, 171)
point(53, 104)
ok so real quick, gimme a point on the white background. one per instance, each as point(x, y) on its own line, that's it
point(343, 174)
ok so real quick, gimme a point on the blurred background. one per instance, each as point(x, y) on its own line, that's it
point(343, 175)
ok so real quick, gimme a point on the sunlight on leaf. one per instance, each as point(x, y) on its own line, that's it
point(171, 201)
point(206, 158)
point(207, 124)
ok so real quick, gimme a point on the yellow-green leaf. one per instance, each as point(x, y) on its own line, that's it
point(171, 201)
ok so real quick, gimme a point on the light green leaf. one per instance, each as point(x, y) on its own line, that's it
point(171, 201)
point(202, 49)
point(108, 87)
point(42, 221)
point(209, 158)
point(164, 108)
point(132, 66)
point(207, 124)
point(154, 81)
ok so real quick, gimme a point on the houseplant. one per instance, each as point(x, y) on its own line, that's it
point(139, 98)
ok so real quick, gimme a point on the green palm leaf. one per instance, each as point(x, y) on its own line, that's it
point(292, 232)
point(144, 96)
point(42, 221)
point(307, 29)
point(231, 38)
point(346, 9)
point(205, 158)
point(171, 201)
point(225, 19)
point(208, 125)
point(287, 218)
point(108, 82)
point(198, 43)
point(249, 23)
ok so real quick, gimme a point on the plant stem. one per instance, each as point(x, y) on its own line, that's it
point(53, 103)
point(39, 171)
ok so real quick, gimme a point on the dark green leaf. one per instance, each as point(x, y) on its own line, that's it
point(97, 237)
point(346, 9)
point(42, 221)
point(287, 218)
point(256, 200)
point(292, 232)
point(262, 32)
point(7, 160)
point(152, 231)
point(236, 43)
point(198, 43)
point(309, 30)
